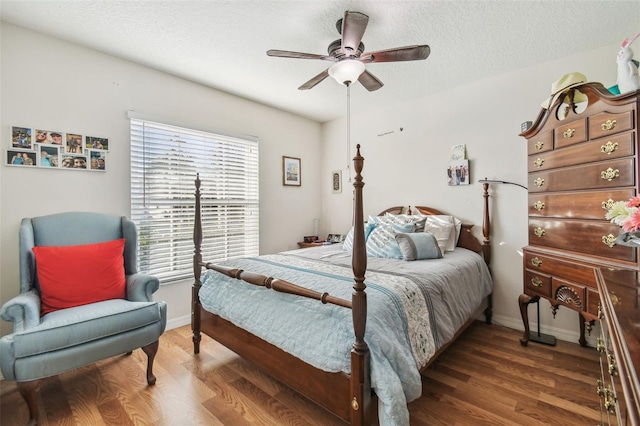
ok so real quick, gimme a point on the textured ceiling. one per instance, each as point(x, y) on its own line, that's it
point(223, 44)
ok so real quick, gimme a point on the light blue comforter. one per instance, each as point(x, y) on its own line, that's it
point(402, 331)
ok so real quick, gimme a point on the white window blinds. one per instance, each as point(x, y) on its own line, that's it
point(164, 163)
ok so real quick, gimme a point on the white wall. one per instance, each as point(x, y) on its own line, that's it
point(409, 167)
point(51, 84)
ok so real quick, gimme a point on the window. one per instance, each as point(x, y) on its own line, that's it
point(164, 162)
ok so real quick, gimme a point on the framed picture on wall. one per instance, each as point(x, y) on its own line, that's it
point(73, 144)
point(336, 181)
point(21, 158)
point(53, 149)
point(97, 160)
point(48, 155)
point(458, 172)
point(48, 137)
point(291, 171)
point(93, 142)
point(74, 161)
point(21, 137)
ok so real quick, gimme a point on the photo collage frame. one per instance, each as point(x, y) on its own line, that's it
point(56, 150)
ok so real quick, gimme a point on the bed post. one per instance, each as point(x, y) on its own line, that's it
point(486, 226)
point(197, 271)
point(486, 246)
point(360, 394)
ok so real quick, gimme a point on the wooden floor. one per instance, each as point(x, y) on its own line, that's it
point(485, 378)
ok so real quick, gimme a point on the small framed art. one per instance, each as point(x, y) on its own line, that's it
point(336, 181)
point(291, 171)
point(21, 157)
point(458, 173)
point(97, 143)
point(21, 137)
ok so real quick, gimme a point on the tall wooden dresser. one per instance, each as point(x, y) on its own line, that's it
point(582, 156)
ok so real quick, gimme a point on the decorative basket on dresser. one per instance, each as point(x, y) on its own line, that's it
point(582, 157)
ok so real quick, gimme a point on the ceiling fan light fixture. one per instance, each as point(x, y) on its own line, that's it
point(346, 71)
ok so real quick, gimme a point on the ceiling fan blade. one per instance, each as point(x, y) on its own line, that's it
point(353, 26)
point(370, 81)
point(297, 55)
point(407, 53)
point(315, 80)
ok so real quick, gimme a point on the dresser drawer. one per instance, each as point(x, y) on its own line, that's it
point(604, 174)
point(569, 294)
point(588, 152)
point(543, 142)
point(560, 267)
point(576, 205)
point(585, 237)
point(607, 123)
point(570, 133)
point(536, 284)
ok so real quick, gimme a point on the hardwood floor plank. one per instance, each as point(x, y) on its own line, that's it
point(485, 378)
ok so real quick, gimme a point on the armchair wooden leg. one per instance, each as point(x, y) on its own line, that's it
point(151, 350)
point(29, 391)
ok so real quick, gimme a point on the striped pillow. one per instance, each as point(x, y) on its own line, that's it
point(417, 246)
point(348, 241)
point(382, 240)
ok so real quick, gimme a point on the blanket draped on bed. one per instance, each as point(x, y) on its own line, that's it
point(401, 327)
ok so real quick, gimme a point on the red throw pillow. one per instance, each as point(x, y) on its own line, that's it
point(77, 275)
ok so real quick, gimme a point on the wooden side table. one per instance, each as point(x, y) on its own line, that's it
point(307, 245)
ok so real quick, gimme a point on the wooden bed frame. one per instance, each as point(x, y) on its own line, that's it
point(349, 397)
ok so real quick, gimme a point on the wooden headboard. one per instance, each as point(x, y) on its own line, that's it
point(467, 239)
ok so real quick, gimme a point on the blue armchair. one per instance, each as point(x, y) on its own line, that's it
point(65, 339)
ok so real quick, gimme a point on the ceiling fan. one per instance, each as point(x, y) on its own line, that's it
point(347, 53)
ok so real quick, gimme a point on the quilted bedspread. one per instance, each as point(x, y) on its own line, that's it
point(413, 309)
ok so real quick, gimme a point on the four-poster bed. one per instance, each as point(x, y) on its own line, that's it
point(400, 308)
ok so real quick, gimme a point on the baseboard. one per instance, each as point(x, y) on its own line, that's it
point(559, 333)
point(178, 322)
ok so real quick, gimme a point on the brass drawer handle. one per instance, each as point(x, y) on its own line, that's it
point(537, 282)
point(600, 345)
point(539, 231)
point(613, 365)
point(610, 403)
point(539, 182)
point(537, 262)
point(607, 204)
point(600, 312)
point(539, 162)
point(539, 145)
point(538, 205)
point(608, 125)
point(569, 133)
point(610, 174)
point(600, 389)
point(609, 147)
point(609, 240)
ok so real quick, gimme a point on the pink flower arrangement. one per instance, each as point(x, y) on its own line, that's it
point(625, 214)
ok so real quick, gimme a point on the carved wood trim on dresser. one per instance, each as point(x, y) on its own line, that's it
point(619, 346)
point(580, 156)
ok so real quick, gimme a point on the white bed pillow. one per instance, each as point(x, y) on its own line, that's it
point(446, 229)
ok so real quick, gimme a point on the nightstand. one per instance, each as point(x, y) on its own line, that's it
point(307, 245)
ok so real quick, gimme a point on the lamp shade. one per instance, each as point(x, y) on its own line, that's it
point(346, 71)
